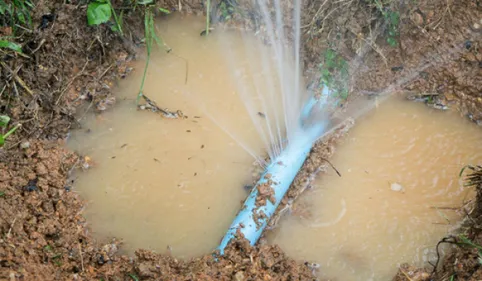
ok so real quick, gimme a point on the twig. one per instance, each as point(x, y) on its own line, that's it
point(70, 83)
point(11, 226)
point(81, 257)
point(39, 46)
point(333, 167)
point(444, 240)
point(406, 275)
point(17, 78)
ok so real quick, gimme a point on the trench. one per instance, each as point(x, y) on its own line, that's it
point(176, 184)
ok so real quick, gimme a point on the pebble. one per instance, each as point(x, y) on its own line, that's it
point(396, 187)
point(25, 145)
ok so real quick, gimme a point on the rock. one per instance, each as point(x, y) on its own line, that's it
point(25, 145)
point(396, 187)
point(239, 276)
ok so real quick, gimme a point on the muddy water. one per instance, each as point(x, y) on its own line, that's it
point(174, 183)
point(399, 168)
point(178, 183)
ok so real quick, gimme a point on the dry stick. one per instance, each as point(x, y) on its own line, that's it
point(81, 257)
point(406, 275)
point(11, 226)
point(444, 240)
point(333, 167)
point(17, 78)
point(71, 81)
point(39, 46)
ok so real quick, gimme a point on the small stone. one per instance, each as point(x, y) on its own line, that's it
point(476, 26)
point(25, 145)
point(396, 187)
point(417, 18)
point(239, 276)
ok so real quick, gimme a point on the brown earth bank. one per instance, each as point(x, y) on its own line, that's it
point(66, 64)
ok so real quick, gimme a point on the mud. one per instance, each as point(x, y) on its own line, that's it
point(43, 233)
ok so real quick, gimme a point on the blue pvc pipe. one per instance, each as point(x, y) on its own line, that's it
point(251, 219)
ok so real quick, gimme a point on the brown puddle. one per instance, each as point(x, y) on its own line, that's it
point(161, 182)
point(179, 182)
point(398, 164)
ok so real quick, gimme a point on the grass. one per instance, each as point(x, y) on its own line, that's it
point(16, 13)
point(392, 19)
point(102, 11)
point(469, 243)
point(334, 73)
point(4, 120)
point(6, 44)
point(150, 38)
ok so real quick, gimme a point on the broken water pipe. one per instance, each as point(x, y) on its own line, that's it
point(275, 181)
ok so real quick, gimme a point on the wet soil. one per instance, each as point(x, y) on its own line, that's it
point(43, 233)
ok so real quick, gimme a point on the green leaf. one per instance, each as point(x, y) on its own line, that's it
point(145, 2)
point(4, 119)
point(98, 12)
point(2, 193)
point(2, 140)
point(4, 8)
point(10, 45)
point(21, 17)
point(463, 169)
point(394, 18)
point(392, 41)
point(133, 277)
point(165, 11)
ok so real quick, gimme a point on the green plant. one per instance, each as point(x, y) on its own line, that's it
point(101, 11)
point(134, 277)
point(17, 12)
point(392, 19)
point(10, 45)
point(150, 38)
point(467, 242)
point(4, 120)
point(334, 73)
point(2, 193)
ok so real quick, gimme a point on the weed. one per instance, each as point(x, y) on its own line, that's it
point(334, 73)
point(392, 19)
point(4, 120)
point(134, 277)
point(101, 11)
point(10, 45)
point(2, 193)
point(150, 38)
point(16, 13)
point(467, 242)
